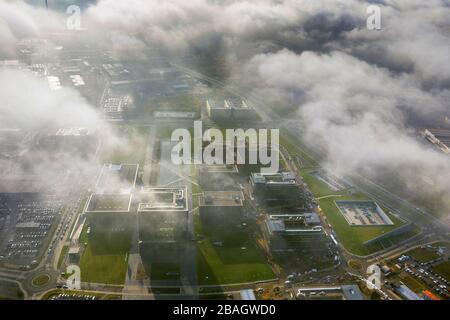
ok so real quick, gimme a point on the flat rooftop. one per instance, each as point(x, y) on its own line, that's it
point(228, 103)
point(109, 203)
point(293, 223)
point(163, 199)
point(117, 178)
point(363, 213)
point(273, 178)
point(222, 199)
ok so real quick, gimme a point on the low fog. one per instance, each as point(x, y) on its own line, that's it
point(362, 95)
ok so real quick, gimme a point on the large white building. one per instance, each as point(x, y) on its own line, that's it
point(230, 109)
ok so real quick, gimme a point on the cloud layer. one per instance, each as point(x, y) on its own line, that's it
point(361, 94)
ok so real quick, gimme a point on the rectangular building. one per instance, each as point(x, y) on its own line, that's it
point(230, 109)
point(277, 189)
point(163, 214)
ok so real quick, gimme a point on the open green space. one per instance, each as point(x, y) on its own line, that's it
point(217, 265)
point(104, 259)
point(228, 254)
point(288, 141)
point(10, 291)
point(62, 255)
point(41, 280)
point(353, 237)
point(186, 102)
point(317, 187)
point(414, 284)
point(443, 270)
point(422, 254)
point(444, 244)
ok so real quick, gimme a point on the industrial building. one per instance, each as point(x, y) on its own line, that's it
point(222, 199)
point(346, 292)
point(284, 232)
point(278, 189)
point(407, 293)
point(363, 213)
point(293, 224)
point(163, 214)
point(117, 178)
point(230, 109)
point(109, 203)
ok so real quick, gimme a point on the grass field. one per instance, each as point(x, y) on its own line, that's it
point(351, 237)
point(230, 265)
point(237, 259)
point(104, 259)
point(422, 255)
point(445, 244)
point(104, 268)
point(288, 141)
point(414, 284)
point(62, 255)
point(318, 188)
point(41, 280)
point(443, 270)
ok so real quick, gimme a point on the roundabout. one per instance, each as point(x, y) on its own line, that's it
point(40, 280)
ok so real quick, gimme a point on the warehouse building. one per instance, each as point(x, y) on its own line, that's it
point(230, 109)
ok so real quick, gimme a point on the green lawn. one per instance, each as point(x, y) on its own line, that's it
point(62, 255)
point(41, 280)
point(217, 265)
point(291, 143)
point(237, 260)
point(443, 269)
point(414, 284)
point(104, 268)
point(422, 255)
point(353, 237)
point(104, 259)
point(318, 188)
point(445, 244)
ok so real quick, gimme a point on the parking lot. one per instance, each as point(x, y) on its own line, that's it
point(26, 227)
